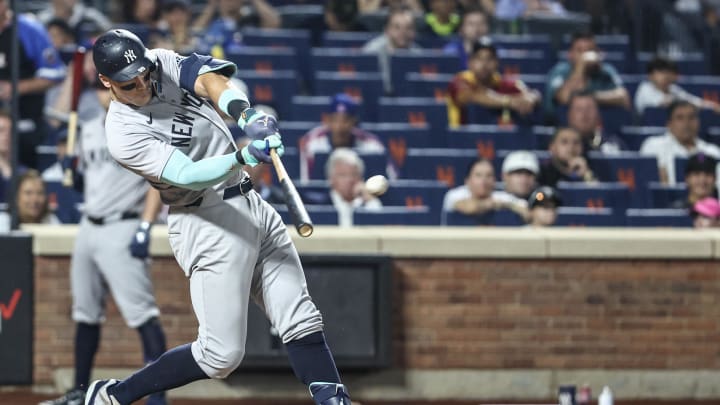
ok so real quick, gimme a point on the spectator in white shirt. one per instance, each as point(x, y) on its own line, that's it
point(345, 171)
point(660, 88)
point(478, 196)
point(680, 140)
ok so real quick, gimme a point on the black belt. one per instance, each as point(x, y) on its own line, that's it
point(113, 218)
point(241, 189)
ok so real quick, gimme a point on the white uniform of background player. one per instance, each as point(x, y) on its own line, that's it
point(230, 243)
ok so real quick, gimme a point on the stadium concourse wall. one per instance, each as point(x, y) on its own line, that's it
point(477, 312)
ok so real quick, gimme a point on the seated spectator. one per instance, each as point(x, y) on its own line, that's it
point(399, 34)
point(519, 173)
point(584, 116)
point(567, 161)
point(483, 85)
point(6, 168)
point(31, 201)
point(680, 140)
point(706, 213)
point(341, 130)
point(141, 12)
point(660, 88)
point(62, 37)
point(514, 9)
point(373, 6)
point(474, 25)
point(232, 16)
point(584, 70)
point(341, 15)
point(543, 202)
point(345, 172)
point(442, 20)
point(700, 179)
point(54, 172)
point(80, 17)
point(478, 195)
point(174, 30)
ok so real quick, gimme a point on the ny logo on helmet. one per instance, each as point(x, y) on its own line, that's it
point(129, 55)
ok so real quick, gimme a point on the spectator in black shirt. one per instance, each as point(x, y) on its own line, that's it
point(700, 178)
point(567, 162)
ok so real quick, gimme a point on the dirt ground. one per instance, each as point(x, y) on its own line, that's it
point(26, 397)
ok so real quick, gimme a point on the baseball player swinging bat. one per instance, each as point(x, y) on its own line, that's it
point(77, 81)
point(299, 214)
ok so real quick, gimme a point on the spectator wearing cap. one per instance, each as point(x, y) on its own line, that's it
point(706, 213)
point(543, 202)
point(660, 88)
point(399, 33)
point(174, 29)
point(340, 130)
point(584, 116)
point(700, 180)
point(474, 25)
point(482, 84)
point(584, 70)
point(567, 161)
point(680, 140)
point(477, 196)
point(519, 173)
point(232, 16)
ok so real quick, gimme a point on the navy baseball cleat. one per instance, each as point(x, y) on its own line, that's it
point(72, 397)
point(329, 394)
point(97, 393)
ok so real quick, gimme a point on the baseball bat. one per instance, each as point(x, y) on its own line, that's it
point(299, 214)
point(77, 81)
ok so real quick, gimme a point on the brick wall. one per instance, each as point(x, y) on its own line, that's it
point(469, 314)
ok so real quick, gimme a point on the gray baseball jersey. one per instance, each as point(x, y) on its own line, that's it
point(231, 248)
point(101, 258)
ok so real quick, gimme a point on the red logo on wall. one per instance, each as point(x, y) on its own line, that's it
point(8, 309)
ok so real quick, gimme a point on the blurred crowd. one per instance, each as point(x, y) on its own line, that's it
point(580, 104)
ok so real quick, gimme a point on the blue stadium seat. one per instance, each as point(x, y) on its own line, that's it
point(664, 195)
point(398, 137)
point(651, 217)
point(586, 217)
point(534, 81)
point(631, 82)
point(701, 86)
point(343, 60)
point(261, 59)
point(395, 216)
point(291, 161)
point(428, 63)
point(309, 108)
point(680, 164)
point(713, 135)
point(319, 214)
point(634, 136)
point(340, 39)
point(489, 138)
point(414, 193)
point(446, 165)
point(492, 218)
point(46, 156)
point(654, 116)
point(431, 42)
point(375, 163)
point(271, 88)
point(598, 195)
point(689, 63)
point(635, 170)
point(522, 61)
point(416, 111)
point(68, 201)
point(292, 131)
point(543, 135)
point(367, 88)
point(296, 39)
point(613, 118)
point(539, 42)
point(420, 85)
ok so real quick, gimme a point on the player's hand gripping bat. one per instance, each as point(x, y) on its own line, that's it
point(77, 81)
point(299, 214)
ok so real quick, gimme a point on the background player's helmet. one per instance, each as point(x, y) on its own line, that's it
point(120, 55)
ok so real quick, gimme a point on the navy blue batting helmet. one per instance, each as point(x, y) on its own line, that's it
point(120, 55)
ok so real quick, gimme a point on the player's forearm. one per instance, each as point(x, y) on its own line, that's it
point(153, 203)
point(181, 171)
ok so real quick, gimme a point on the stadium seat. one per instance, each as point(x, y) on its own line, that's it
point(586, 217)
point(536, 42)
point(492, 218)
point(395, 216)
point(66, 199)
point(314, 108)
point(419, 85)
point(296, 39)
point(713, 135)
point(343, 60)
point(654, 116)
point(664, 195)
point(262, 59)
point(342, 39)
point(522, 61)
point(634, 136)
point(680, 164)
point(678, 218)
point(446, 165)
point(543, 135)
point(613, 118)
point(375, 163)
point(489, 138)
point(689, 63)
point(428, 63)
point(635, 170)
point(598, 195)
point(416, 111)
point(631, 83)
point(271, 88)
point(398, 137)
point(292, 131)
point(363, 86)
point(414, 193)
point(319, 214)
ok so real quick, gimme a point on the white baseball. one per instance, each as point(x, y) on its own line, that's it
point(376, 185)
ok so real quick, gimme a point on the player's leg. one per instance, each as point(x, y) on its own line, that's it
point(220, 263)
point(88, 294)
point(132, 290)
point(279, 287)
